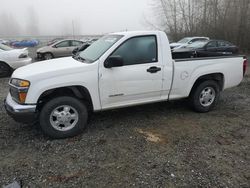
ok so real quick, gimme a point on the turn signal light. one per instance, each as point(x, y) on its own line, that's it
point(22, 97)
point(24, 83)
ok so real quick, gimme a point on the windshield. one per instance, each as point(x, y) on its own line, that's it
point(5, 48)
point(184, 40)
point(98, 48)
point(198, 44)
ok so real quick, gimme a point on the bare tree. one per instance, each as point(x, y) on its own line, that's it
point(8, 25)
point(32, 27)
point(223, 19)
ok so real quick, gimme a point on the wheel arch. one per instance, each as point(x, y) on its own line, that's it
point(80, 92)
point(48, 52)
point(218, 77)
point(4, 62)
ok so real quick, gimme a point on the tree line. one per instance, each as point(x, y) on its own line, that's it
point(217, 19)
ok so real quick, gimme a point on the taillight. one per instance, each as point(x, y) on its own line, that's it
point(244, 67)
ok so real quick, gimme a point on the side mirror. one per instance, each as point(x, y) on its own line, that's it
point(113, 61)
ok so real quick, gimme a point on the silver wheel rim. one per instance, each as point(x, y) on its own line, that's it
point(47, 56)
point(207, 96)
point(64, 118)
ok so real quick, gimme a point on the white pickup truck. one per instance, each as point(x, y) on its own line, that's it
point(119, 70)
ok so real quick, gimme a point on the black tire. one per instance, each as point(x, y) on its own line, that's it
point(46, 117)
point(5, 70)
point(196, 96)
point(48, 56)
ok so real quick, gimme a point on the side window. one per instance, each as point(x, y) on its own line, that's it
point(138, 50)
point(191, 41)
point(224, 44)
point(63, 44)
point(194, 40)
point(221, 44)
point(76, 43)
point(212, 44)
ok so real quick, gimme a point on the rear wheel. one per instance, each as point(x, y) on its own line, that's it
point(205, 96)
point(63, 117)
point(5, 70)
point(48, 56)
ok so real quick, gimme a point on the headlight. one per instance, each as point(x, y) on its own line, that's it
point(24, 55)
point(19, 89)
point(19, 82)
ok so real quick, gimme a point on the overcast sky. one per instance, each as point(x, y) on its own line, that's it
point(56, 17)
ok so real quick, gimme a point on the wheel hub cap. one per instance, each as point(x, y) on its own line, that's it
point(64, 118)
point(207, 96)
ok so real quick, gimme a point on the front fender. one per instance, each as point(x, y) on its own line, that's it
point(38, 87)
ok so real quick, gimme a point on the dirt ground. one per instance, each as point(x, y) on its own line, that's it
point(156, 145)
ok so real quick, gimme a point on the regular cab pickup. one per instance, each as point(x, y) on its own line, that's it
point(119, 70)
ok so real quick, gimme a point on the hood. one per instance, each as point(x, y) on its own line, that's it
point(43, 49)
point(181, 46)
point(14, 53)
point(21, 51)
point(49, 68)
point(174, 44)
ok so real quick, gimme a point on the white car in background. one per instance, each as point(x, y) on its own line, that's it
point(2, 41)
point(186, 41)
point(11, 59)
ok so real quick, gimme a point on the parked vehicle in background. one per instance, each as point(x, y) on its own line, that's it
point(3, 41)
point(25, 43)
point(208, 48)
point(89, 39)
point(92, 40)
point(54, 40)
point(60, 48)
point(119, 70)
point(11, 59)
point(186, 41)
point(79, 49)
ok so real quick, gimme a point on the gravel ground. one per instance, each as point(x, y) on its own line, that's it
point(156, 145)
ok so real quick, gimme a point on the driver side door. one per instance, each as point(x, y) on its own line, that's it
point(140, 78)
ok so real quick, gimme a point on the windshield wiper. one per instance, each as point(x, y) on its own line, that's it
point(78, 58)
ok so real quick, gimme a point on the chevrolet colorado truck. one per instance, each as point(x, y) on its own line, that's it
point(119, 70)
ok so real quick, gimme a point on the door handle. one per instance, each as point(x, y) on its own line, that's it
point(153, 69)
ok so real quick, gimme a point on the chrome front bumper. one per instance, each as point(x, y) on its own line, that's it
point(20, 113)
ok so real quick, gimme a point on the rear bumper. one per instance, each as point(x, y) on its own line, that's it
point(20, 113)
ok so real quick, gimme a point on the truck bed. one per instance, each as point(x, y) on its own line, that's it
point(187, 71)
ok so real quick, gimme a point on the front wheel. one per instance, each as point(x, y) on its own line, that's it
point(48, 56)
point(5, 70)
point(205, 96)
point(63, 117)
